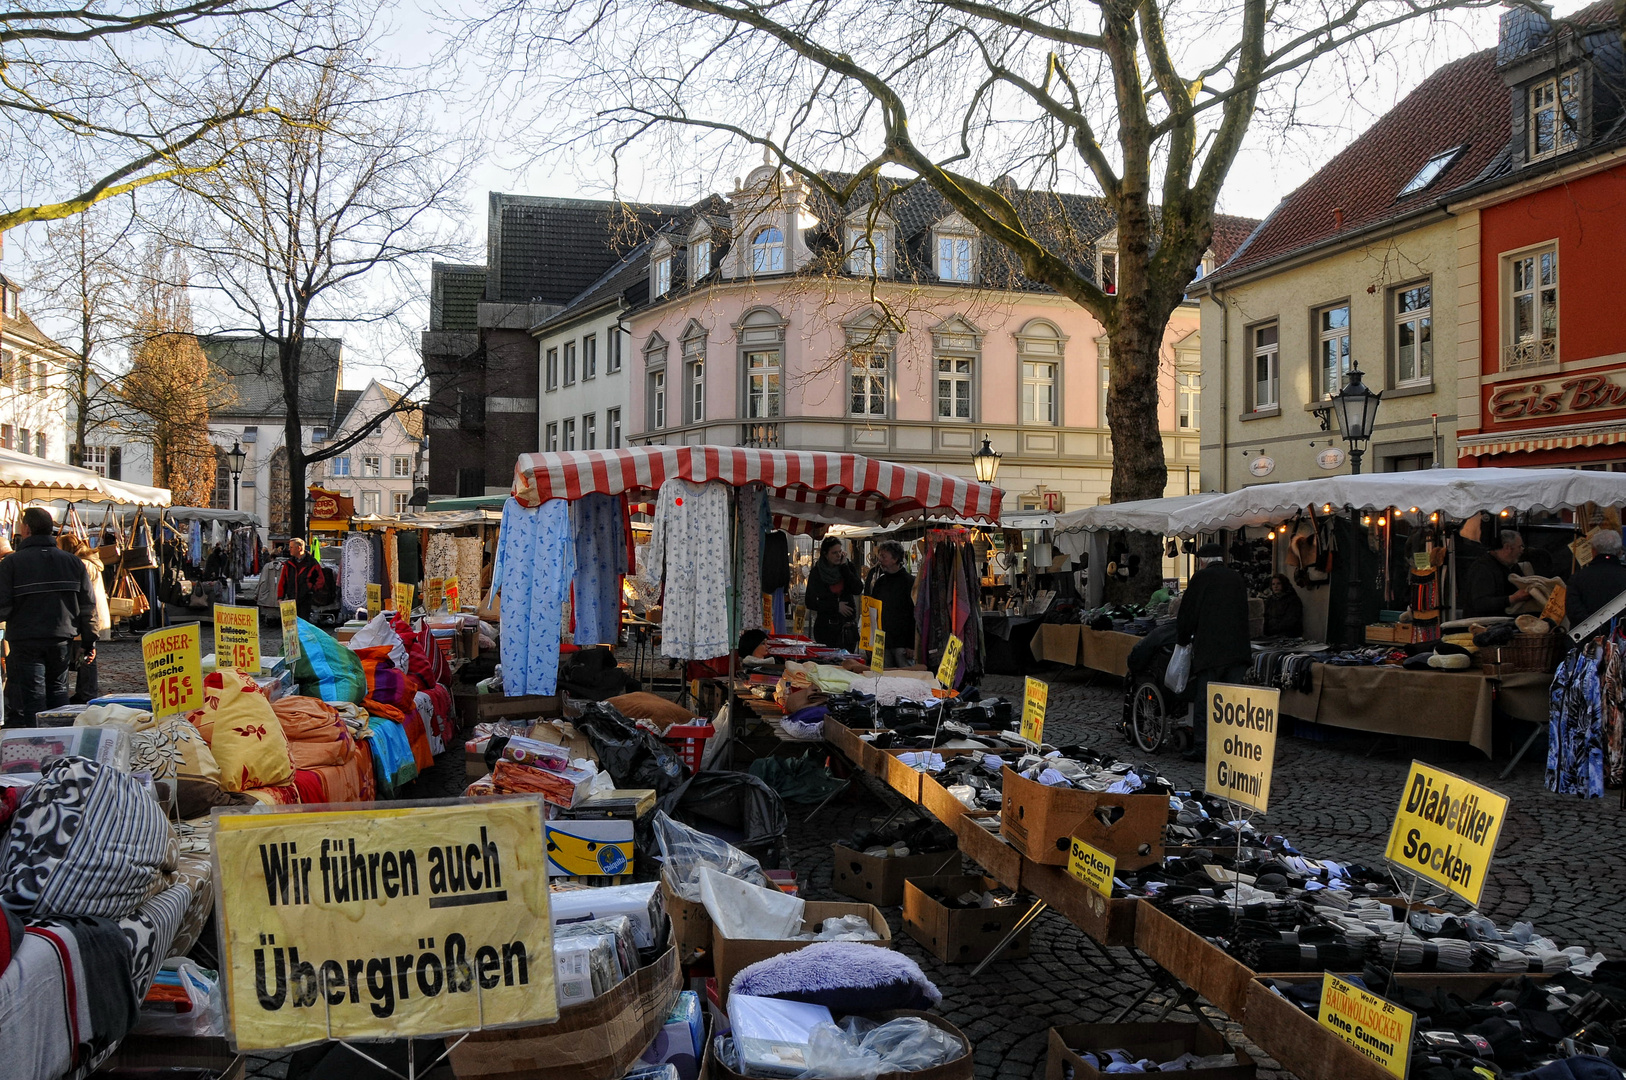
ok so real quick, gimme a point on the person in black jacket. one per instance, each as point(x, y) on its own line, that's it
point(1213, 620)
point(833, 592)
point(1598, 582)
point(45, 601)
point(1284, 611)
point(893, 585)
point(1486, 589)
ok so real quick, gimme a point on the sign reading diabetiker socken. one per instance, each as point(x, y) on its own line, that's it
point(410, 920)
point(1241, 743)
point(1445, 830)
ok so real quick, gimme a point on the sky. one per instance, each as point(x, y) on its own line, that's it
point(1271, 164)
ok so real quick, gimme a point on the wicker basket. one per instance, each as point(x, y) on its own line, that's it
point(1534, 652)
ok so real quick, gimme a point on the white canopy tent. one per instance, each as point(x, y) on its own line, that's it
point(28, 479)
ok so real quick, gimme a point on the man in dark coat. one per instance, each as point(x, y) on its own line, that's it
point(1598, 582)
point(893, 585)
point(45, 601)
point(1213, 620)
point(1485, 587)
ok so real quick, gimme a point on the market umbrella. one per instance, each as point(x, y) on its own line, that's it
point(26, 478)
point(809, 485)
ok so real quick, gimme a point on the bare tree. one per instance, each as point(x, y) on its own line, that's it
point(100, 99)
point(325, 226)
point(1146, 103)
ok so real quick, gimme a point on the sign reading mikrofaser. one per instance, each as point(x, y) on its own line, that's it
point(1445, 830)
point(413, 920)
point(1242, 743)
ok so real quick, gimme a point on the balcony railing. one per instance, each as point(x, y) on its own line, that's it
point(1534, 353)
point(762, 436)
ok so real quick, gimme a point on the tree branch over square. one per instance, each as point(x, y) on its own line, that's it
point(1146, 103)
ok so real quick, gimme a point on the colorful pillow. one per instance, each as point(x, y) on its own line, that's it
point(88, 839)
point(392, 756)
point(316, 733)
point(247, 739)
point(327, 669)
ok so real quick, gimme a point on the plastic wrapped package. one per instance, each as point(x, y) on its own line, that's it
point(640, 903)
point(202, 1013)
point(619, 929)
point(584, 966)
point(685, 851)
point(860, 1048)
point(27, 751)
point(739, 909)
point(843, 928)
point(772, 1035)
point(536, 754)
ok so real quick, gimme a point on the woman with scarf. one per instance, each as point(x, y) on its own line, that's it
point(833, 595)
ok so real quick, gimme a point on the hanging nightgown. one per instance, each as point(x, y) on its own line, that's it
point(536, 559)
point(689, 550)
point(598, 523)
point(1575, 728)
point(753, 501)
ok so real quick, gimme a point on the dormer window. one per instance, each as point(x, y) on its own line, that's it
point(768, 252)
point(1107, 273)
point(8, 301)
point(954, 258)
point(663, 275)
point(867, 252)
point(700, 259)
point(1555, 115)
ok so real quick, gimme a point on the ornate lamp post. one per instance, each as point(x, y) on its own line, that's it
point(986, 462)
point(1357, 409)
point(235, 460)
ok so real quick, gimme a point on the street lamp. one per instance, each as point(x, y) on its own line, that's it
point(1357, 409)
point(420, 492)
point(986, 462)
point(235, 459)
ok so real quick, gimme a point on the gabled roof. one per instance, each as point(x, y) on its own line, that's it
point(1464, 103)
point(627, 279)
point(547, 250)
point(411, 418)
point(250, 364)
point(21, 326)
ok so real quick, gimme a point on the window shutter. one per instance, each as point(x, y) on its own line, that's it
point(1518, 124)
point(115, 463)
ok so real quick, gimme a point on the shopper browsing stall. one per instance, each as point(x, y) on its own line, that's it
point(833, 595)
point(1213, 620)
point(1598, 582)
point(45, 602)
point(893, 585)
point(1486, 589)
point(1284, 611)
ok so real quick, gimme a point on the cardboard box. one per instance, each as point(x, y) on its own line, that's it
point(1106, 921)
point(961, 1068)
point(903, 779)
point(691, 923)
point(591, 1041)
point(1038, 820)
point(1160, 1042)
point(1059, 644)
point(1191, 958)
point(847, 742)
point(177, 1052)
point(1299, 1043)
point(961, 935)
point(880, 881)
point(989, 850)
point(730, 956)
point(590, 848)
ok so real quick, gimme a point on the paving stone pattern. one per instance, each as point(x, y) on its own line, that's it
point(1560, 864)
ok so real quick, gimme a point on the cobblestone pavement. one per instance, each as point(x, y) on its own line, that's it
point(1560, 865)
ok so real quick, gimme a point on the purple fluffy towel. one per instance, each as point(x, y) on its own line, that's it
point(844, 976)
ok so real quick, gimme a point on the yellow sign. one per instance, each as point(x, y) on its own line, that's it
point(369, 924)
point(870, 623)
point(403, 598)
point(864, 631)
point(951, 661)
point(1035, 696)
point(452, 593)
point(432, 593)
point(174, 663)
point(877, 652)
point(1379, 1029)
point(1092, 866)
point(290, 630)
point(375, 599)
point(1242, 743)
point(237, 638)
point(1445, 830)
point(799, 621)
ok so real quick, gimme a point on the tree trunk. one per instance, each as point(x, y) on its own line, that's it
point(290, 351)
point(1138, 467)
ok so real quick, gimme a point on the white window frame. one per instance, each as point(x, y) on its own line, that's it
point(93, 458)
point(612, 429)
point(764, 384)
point(1188, 399)
point(1558, 96)
point(956, 255)
point(590, 431)
point(570, 363)
point(552, 369)
point(341, 466)
point(1420, 320)
point(612, 350)
point(867, 251)
point(1034, 380)
point(589, 357)
point(9, 306)
point(551, 443)
point(371, 501)
point(1271, 353)
point(768, 250)
point(694, 378)
point(1331, 335)
point(1106, 272)
point(657, 399)
point(401, 501)
point(953, 385)
point(1539, 349)
point(869, 384)
point(568, 435)
point(699, 259)
point(401, 466)
point(663, 276)
point(372, 465)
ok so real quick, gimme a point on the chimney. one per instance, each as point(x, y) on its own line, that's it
point(1338, 219)
point(1523, 27)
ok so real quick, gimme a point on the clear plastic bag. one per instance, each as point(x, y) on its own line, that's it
point(860, 1049)
point(685, 851)
point(207, 1016)
point(1178, 672)
point(739, 909)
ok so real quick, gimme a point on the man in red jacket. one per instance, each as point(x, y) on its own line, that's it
point(301, 577)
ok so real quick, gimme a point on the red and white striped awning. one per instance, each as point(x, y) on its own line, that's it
point(1541, 439)
point(811, 485)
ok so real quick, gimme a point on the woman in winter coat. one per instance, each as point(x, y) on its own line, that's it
point(87, 687)
point(833, 595)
